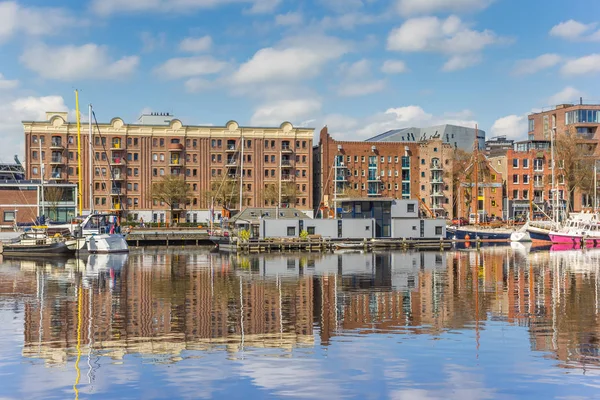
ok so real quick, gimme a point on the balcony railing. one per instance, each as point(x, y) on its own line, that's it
point(287, 177)
point(340, 178)
point(230, 147)
point(117, 160)
point(231, 162)
point(436, 166)
point(56, 144)
point(437, 194)
point(374, 178)
point(373, 193)
point(286, 148)
point(115, 192)
point(286, 163)
point(56, 160)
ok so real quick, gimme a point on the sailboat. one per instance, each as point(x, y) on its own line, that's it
point(97, 232)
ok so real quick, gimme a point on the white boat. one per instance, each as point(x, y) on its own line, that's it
point(521, 235)
point(107, 243)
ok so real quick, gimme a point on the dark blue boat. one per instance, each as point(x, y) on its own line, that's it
point(474, 234)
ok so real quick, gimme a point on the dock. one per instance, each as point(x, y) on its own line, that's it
point(329, 245)
point(168, 237)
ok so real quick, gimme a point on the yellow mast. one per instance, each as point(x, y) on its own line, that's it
point(79, 171)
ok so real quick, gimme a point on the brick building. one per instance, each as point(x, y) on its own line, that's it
point(19, 202)
point(580, 122)
point(487, 202)
point(129, 158)
point(383, 169)
point(529, 178)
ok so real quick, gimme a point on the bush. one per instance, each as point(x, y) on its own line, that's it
point(244, 235)
point(304, 234)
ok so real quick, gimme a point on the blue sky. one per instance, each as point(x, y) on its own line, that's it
point(360, 66)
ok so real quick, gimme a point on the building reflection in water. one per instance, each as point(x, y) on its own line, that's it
point(159, 303)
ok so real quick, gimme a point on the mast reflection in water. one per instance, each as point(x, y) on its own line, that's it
point(503, 322)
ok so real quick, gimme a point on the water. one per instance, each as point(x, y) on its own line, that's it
point(183, 323)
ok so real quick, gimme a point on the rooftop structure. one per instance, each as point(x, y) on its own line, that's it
point(460, 137)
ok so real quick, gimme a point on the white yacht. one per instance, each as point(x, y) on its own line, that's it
point(97, 233)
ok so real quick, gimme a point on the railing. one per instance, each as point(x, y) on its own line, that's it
point(56, 143)
point(286, 147)
point(538, 184)
point(56, 160)
point(55, 175)
point(437, 180)
point(372, 165)
point(231, 161)
point(436, 166)
point(340, 178)
point(116, 160)
point(374, 178)
point(116, 191)
point(231, 147)
point(538, 199)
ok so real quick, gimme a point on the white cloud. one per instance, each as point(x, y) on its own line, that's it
point(356, 70)
point(567, 95)
point(361, 88)
point(196, 85)
point(23, 109)
point(462, 61)
point(571, 29)
point(186, 67)
point(350, 20)
point(296, 110)
point(7, 84)
point(289, 19)
point(511, 126)
point(89, 61)
point(448, 36)
point(263, 6)
point(108, 7)
point(407, 116)
point(196, 45)
point(581, 66)
point(413, 7)
point(531, 66)
point(342, 6)
point(394, 67)
point(16, 19)
point(292, 59)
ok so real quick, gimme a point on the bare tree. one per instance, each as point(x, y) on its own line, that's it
point(225, 192)
point(289, 192)
point(53, 195)
point(173, 191)
point(575, 163)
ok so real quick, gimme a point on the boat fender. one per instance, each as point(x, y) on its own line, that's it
point(467, 237)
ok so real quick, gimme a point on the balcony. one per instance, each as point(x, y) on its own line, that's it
point(286, 163)
point(56, 145)
point(118, 177)
point(115, 192)
point(437, 181)
point(56, 161)
point(287, 177)
point(230, 148)
point(231, 162)
point(175, 147)
point(115, 146)
point(436, 166)
point(538, 184)
point(286, 148)
point(374, 178)
point(341, 178)
point(372, 165)
point(437, 194)
point(115, 207)
point(117, 161)
point(538, 199)
point(56, 176)
point(373, 193)
point(175, 163)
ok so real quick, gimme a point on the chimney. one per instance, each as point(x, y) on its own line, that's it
point(581, 101)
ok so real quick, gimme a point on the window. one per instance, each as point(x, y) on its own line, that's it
point(355, 158)
point(525, 163)
point(34, 139)
point(438, 230)
point(34, 170)
point(422, 174)
point(515, 194)
point(410, 207)
point(525, 179)
point(291, 231)
point(435, 149)
point(266, 159)
point(382, 159)
point(155, 172)
point(493, 203)
point(525, 194)
point(310, 230)
point(422, 161)
point(493, 176)
point(9, 216)
point(362, 158)
point(515, 163)
point(538, 164)
point(34, 155)
point(532, 124)
point(162, 142)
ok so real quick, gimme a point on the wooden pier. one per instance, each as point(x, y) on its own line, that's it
point(329, 245)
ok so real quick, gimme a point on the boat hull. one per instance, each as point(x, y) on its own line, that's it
point(520, 236)
point(58, 248)
point(538, 235)
point(224, 243)
point(470, 234)
point(107, 243)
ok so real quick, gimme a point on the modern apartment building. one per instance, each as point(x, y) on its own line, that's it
point(129, 158)
point(459, 137)
point(580, 120)
point(351, 169)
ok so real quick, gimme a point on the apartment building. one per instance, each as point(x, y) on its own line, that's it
point(529, 179)
point(580, 120)
point(480, 190)
point(352, 169)
point(129, 158)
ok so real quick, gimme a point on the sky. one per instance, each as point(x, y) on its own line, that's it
point(361, 67)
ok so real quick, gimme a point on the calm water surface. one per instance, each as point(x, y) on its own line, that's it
point(183, 323)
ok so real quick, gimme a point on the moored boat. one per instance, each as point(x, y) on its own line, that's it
point(30, 248)
point(481, 234)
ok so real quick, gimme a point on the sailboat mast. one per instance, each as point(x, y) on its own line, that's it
point(91, 163)
point(241, 170)
point(79, 171)
point(279, 184)
point(476, 173)
point(554, 190)
point(43, 199)
point(531, 177)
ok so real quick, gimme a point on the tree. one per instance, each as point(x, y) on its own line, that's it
point(53, 195)
point(173, 191)
point(225, 192)
point(575, 162)
point(460, 162)
point(289, 192)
